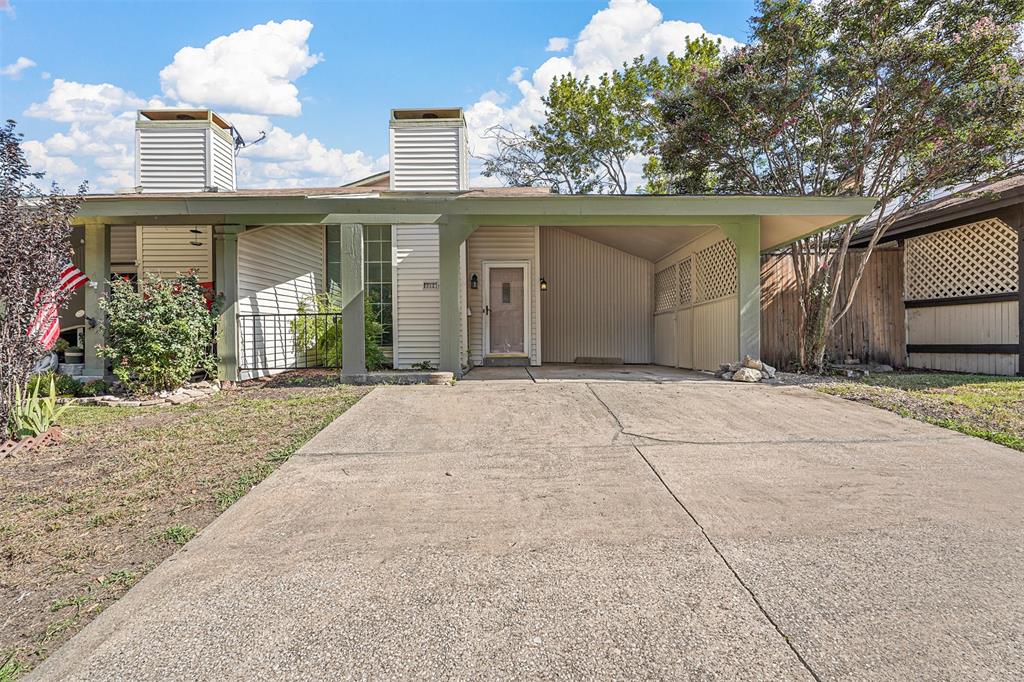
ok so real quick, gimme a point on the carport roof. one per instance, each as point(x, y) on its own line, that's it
point(783, 219)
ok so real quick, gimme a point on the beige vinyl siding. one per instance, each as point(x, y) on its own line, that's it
point(599, 301)
point(172, 159)
point(973, 363)
point(166, 251)
point(417, 311)
point(223, 163)
point(704, 327)
point(975, 259)
point(501, 244)
point(279, 268)
point(427, 156)
point(988, 323)
point(123, 248)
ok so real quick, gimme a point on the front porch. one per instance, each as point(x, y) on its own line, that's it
point(608, 298)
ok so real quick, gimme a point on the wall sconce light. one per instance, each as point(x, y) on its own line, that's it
point(474, 282)
point(543, 284)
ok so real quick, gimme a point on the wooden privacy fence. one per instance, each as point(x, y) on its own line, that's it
point(872, 331)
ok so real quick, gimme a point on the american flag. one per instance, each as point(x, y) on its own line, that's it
point(47, 321)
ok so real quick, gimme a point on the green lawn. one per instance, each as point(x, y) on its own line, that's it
point(81, 522)
point(988, 407)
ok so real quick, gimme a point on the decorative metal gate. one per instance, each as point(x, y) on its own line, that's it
point(275, 341)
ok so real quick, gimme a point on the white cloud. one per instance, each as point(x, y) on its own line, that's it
point(623, 30)
point(59, 168)
point(70, 102)
point(250, 70)
point(46, 75)
point(288, 160)
point(14, 69)
point(557, 44)
point(516, 75)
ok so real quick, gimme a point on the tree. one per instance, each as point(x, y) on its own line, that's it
point(897, 100)
point(35, 243)
point(593, 131)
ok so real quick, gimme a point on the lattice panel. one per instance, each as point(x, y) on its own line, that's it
point(666, 293)
point(971, 260)
point(716, 271)
point(685, 282)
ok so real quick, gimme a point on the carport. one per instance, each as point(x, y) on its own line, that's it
point(690, 296)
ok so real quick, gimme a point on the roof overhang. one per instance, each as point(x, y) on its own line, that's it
point(783, 219)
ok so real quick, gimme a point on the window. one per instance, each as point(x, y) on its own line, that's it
point(377, 273)
point(377, 256)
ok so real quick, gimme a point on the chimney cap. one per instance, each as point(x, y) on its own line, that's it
point(434, 114)
point(184, 115)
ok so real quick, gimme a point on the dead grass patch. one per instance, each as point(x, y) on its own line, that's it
point(81, 522)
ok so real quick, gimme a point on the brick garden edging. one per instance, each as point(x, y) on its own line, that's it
point(9, 448)
point(188, 393)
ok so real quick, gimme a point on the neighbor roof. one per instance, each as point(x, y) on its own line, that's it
point(989, 195)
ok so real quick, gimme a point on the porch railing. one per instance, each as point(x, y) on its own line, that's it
point(273, 341)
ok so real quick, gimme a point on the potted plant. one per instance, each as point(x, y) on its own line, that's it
point(74, 355)
point(60, 348)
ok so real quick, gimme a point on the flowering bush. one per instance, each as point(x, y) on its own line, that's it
point(159, 336)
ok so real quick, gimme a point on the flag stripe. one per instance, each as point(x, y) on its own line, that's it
point(47, 320)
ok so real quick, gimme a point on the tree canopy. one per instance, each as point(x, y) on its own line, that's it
point(595, 131)
point(893, 99)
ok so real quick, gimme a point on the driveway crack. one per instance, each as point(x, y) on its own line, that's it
point(736, 575)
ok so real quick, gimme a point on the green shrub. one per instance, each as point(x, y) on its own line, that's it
point(159, 336)
point(67, 386)
point(94, 388)
point(322, 336)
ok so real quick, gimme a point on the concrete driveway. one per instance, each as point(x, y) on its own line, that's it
point(595, 526)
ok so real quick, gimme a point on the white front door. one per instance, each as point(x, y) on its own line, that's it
point(506, 308)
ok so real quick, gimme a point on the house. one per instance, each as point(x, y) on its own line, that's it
point(963, 279)
point(458, 276)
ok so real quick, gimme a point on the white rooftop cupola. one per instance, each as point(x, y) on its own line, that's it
point(429, 150)
point(183, 150)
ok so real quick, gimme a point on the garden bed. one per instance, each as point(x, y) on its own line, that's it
point(84, 520)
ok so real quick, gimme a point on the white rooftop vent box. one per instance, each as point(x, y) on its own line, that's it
point(429, 150)
point(183, 150)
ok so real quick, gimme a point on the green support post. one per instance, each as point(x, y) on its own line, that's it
point(353, 301)
point(745, 233)
point(451, 235)
point(226, 274)
point(97, 269)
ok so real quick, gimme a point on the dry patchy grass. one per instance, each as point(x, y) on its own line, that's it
point(988, 407)
point(81, 522)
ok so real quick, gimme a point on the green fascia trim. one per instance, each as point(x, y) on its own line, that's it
point(544, 207)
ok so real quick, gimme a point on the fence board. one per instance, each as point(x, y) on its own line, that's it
point(874, 330)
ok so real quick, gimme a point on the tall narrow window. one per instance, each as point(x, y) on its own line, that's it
point(377, 256)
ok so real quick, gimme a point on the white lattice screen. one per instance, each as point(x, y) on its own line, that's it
point(716, 271)
point(686, 282)
point(971, 260)
point(666, 293)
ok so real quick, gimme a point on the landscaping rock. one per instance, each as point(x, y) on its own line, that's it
point(752, 363)
point(747, 374)
point(768, 370)
point(728, 376)
point(881, 368)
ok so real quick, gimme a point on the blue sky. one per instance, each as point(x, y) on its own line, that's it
point(320, 77)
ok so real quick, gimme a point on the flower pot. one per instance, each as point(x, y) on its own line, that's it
point(72, 357)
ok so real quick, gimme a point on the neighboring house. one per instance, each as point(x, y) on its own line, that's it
point(458, 276)
point(963, 274)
